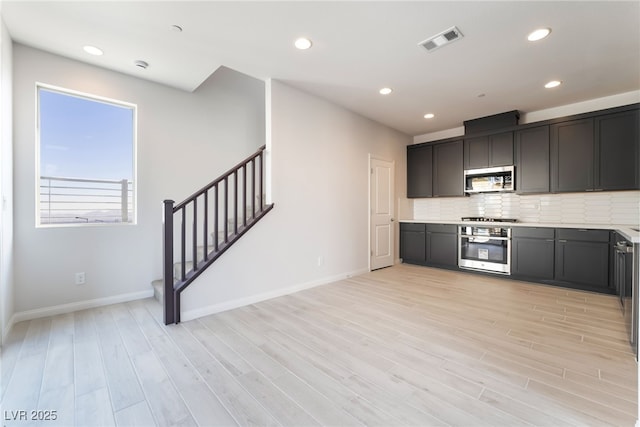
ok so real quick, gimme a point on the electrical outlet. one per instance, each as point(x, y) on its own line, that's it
point(80, 279)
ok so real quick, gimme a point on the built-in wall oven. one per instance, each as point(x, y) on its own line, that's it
point(485, 247)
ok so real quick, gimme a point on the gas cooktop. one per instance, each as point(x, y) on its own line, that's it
point(485, 219)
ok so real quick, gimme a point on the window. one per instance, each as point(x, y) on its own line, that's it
point(85, 159)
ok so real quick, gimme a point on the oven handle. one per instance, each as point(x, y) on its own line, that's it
point(484, 238)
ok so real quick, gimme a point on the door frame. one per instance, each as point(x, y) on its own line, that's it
point(394, 232)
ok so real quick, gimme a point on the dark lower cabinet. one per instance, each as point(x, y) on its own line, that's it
point(582, 259)
point(532, 253)
point(429, 244)
point(575, 258)
point(442, 245)
point(413, 243)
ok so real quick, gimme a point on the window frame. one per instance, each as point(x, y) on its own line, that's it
point(134, 179)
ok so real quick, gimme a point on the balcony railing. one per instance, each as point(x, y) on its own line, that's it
point(78, 200)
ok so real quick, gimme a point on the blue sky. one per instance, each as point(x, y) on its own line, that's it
point(82, 138)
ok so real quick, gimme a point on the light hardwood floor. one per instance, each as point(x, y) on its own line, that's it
point(404, 345)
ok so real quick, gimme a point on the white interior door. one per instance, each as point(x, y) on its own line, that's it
point(382, 221)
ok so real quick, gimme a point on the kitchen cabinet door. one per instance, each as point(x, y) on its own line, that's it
point(572, 156)
point(448, 169)
point(617, 151)
point(501, 149)
point(583, 264)
point(442, 245)
point(419, 171)
point(532, 160)
point(488, 151)
point(532, 258)
point(442, 249)
point(476, 152)
point(412, 243)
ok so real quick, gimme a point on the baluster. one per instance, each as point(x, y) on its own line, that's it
point(253, 188)
point(226, 209)
point(183, 244)
point(260, 180)
point(244, 195)
point(215, 218)
point(194, 243)
point(205, 224)
point(235, 202)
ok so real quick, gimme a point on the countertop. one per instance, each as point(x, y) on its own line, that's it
point(630, 232)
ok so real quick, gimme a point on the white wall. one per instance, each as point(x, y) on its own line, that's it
point(319, 158)
point(184, 141)
point(6, 183)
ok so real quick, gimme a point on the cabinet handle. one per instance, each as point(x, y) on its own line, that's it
point(551, 240)
point(563, 241)
point(583, 230)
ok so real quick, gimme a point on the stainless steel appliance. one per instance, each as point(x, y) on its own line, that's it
point(489, 180)
point(623, 275)
point(485, 247)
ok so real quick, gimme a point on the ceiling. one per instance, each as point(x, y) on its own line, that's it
point(358, 48)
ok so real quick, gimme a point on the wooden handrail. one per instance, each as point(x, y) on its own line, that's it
point(173, 287)
point(220, 178)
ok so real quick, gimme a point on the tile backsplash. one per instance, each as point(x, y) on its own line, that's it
point(619, 207)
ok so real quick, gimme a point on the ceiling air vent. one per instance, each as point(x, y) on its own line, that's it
point(447, 36)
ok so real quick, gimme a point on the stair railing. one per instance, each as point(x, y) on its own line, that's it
point(214, 203)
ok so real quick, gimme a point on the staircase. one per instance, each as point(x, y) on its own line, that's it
point(230, 205)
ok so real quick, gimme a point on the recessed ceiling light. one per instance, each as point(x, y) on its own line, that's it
point(302, 43)
point(92, 50)
point(553, 83)
point(538, 34)
point(385, 91)
point(429, 116)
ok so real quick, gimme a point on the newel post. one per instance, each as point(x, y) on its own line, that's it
point(167, 237)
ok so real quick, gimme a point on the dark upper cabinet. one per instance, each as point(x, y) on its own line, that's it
point(572, 156)
point(532, 160)
point(488, 151)
point(419, 171)
point(501, 149)
point(617, 154)
point(594, 151)
point(476, 152)
point(448, 169)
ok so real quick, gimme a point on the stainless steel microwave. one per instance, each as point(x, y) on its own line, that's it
point(489, 180)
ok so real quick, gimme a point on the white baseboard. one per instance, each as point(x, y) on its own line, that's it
point(253, 299)
point(76, 306)
point(7, 328)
